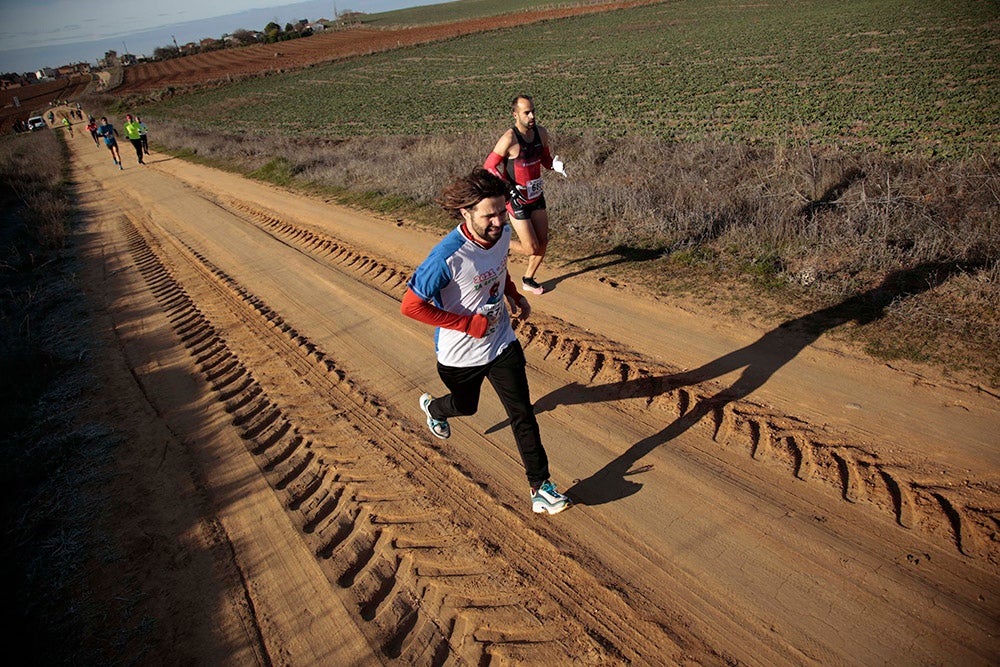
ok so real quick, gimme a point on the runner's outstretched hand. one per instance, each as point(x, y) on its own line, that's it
point(559, 166)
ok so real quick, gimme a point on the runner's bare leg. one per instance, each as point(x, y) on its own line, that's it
point(540, 227)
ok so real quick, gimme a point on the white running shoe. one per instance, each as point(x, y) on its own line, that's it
point(439, 427)
point(546, 499)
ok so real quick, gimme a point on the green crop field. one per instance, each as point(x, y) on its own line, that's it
point(462, 10)
point(896, 75)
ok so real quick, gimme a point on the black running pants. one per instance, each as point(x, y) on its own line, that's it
point(137, 145)
point(507, 375)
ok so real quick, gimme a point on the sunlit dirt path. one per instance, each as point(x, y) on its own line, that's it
point(742, 496)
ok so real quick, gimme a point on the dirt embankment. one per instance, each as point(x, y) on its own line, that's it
point(741, 496)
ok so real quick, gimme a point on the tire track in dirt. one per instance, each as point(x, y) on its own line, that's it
point(427, 583)
point(963, 514)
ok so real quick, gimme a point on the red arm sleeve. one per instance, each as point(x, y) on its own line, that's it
point(492, 163)
point(546, 158)
point(423, 311)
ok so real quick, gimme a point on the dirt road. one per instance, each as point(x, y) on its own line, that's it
point(742, 496)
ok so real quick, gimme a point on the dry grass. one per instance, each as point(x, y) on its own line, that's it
point(33, 169)
point(787, 228)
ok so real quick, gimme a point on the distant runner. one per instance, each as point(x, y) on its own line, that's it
point(132, 131)
point(108, 131)
point(143, 130)
point(460, 289)
point(518, 159)
point(92, 128)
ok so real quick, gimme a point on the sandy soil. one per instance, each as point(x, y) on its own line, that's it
point(742, 496)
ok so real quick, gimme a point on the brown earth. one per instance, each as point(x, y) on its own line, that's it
point(35, 98)
point(742, 496)
point(256, 59)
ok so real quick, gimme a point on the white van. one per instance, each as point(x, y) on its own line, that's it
point(36, 123)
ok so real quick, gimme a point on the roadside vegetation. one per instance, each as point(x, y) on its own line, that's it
point(766, 161)
point(55, 464)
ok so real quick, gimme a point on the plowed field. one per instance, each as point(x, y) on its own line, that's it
point(36, 98)
point(261, 58)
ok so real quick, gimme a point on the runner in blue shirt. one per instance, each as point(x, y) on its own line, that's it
point(108, 131)
point(460, 289)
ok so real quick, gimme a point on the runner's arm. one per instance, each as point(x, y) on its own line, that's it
point(515, 299)
point(423, 311)
point(504, 143)
point(492, 164)
point(546, 155)
point(510, 289)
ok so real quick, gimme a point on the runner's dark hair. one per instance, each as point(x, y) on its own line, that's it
point(469, 190)
point(513, 102)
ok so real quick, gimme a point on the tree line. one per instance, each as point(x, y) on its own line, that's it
point(273, 32)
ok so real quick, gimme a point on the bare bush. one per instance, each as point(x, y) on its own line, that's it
point(826, 224)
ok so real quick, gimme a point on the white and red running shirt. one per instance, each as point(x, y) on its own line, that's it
point(461, 276)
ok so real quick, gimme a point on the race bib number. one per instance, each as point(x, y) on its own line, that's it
point(492, 312)
point(534, 188)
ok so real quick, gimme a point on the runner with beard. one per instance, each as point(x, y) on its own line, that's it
point(460, 288)
point(518, 158)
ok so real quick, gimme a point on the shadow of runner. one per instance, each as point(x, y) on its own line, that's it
point(620, 254)
point(760, 360)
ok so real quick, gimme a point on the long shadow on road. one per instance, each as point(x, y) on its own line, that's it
point(620, 254)
point(759, 361)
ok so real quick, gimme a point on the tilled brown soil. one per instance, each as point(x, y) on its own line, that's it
point(36, 98)
point(230, 64)
point(741, 496)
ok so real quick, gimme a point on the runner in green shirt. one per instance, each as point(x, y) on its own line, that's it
point(132, 131)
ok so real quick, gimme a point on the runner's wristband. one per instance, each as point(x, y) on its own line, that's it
point(546, 158)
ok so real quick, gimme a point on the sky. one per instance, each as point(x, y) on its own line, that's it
point(43, 33)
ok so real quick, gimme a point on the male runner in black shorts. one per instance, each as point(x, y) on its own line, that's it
point(518, 159)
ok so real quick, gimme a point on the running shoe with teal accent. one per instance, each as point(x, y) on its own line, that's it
point(546, 499)
point(439, 427)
